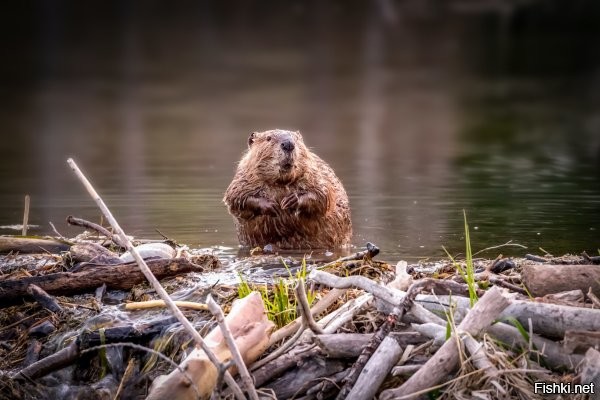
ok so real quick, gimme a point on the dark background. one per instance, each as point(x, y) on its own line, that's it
point(423, 108)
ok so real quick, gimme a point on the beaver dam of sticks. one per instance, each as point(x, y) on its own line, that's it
point(78, 320)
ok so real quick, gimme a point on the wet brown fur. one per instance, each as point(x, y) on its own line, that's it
point(290, 199)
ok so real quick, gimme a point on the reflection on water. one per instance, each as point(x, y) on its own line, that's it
point(422, 109)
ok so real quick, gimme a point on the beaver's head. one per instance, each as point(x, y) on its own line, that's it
point(276, 156)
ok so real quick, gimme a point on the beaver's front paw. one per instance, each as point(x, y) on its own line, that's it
point(291, 201)
point(269, 207)
point(262, 206)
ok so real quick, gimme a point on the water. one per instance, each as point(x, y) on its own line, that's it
point(423, 110)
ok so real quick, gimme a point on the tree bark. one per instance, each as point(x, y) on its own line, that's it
point(541, 280)
point(32, 245)
point(123, 276)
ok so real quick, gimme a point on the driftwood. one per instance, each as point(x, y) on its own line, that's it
point(123, 277)
point(541, 280)
point(367, 354)
point(20, 244)
point(250, 329)
point(445, 360)
point(338, 318)
point(388, 295)
point(342, 345)
point(306, 374)
point(93, 253)
point(329, 346)
point(377, 368)
point(295, 356)
point(593, 298)
point(71, 220)
point(371, 251)
point(406, 370)
point(552, 353)
point(480, 359)
point(570, 298)
point(551, 320)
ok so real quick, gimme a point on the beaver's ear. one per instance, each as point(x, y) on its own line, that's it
point(251, 138)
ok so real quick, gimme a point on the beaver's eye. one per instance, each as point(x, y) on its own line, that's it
point(268, 138)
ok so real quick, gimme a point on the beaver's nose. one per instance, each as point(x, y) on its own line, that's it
point(287, 145)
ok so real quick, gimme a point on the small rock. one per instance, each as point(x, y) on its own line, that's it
point(150, 250)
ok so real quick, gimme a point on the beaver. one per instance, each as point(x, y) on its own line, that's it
point(283, 194)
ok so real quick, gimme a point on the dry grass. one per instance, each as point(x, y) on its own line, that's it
point(515, 377)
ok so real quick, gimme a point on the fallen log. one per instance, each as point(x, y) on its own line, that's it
point(553, 354)
point(342, 345)
point(123, 276)
point(376, 369)
point(307, 373)
point(541, 280)
point(277, 367)
point(32, 244)
point(445, 360)
point(551, 320)
point(367, 353)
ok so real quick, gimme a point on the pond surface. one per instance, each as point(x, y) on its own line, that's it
point(423, 110)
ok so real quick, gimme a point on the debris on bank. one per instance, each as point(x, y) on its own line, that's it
point(80, 322)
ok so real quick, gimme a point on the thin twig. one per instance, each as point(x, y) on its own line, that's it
point(26, 215)
point(594, 299)
point(281, 349)
point(371, 251)
point(71, 220)
point(501, 282)
point(305, 307)
point(150, 277)
point(58, 234)
point(126, 375)
point(140, 305)
point(507, 244)
point(233, 348)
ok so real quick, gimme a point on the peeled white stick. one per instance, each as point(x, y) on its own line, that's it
point(235, 352)
point(376, 370)
point(151, 278)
